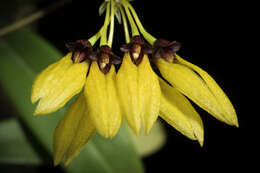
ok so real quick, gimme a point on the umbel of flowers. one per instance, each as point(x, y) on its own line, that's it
point(135, 92)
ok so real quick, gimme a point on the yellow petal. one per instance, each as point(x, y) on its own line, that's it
point(227, 107)
point(127, 84)
point(193, 86)
point(60, 89)
point(150, 93)
point(49, 77)
point(113, 106)
point(102, 99)
point(84, 132)
point(67, 128)
point(179, 113)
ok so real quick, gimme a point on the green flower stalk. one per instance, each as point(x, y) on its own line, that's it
point(134, 92)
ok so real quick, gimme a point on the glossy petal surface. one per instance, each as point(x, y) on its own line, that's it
point(85, 130)
point(128, 88)
point(193, 86)
point(179, 113)
point(67, 128)
point(58, 84)
point(227, 107)
point(150, 94)
point(139, 92)
point(49, 77)
point(102, 100)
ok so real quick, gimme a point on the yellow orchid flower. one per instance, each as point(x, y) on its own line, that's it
point(102, 100)
point(144, 96)
point(139, 91)
point(193, 82)
point(134, 91)
point(176, 110)
point(138, 86)
point(96, 109)
point(73, 131)
point(60, 81)
point(57, 84)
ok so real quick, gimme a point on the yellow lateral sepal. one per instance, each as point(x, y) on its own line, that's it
point(150, 94)
point(85, 130)
point(62, 88)
point(127, 84)
point(49, 77)
point(113, 106)
point(102, 100)
point(179, 113)
point(190, 84)
point(227, 107)
point(67, 128)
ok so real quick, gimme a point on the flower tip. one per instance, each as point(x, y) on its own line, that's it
point(67, 161)
point(112, 134)
point(33, 99)
point(39, 112)
point(147, 131)
point(236, 124)
point(201, 142)
point(233, 121)
point(57, 157)
point(199, 135)
point(36, 113)
point(106, 135)
point(56, 162)
point(136, 131)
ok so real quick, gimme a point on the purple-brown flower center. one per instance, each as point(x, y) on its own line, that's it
point(165, 49)
point(137, 48)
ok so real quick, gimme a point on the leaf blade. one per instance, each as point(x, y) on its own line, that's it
point(9, 152)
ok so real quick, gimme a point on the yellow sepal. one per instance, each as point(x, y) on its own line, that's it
point(85, 130)
point(67, 128)
point(58, 84)
point(102, 100)
point(49, 77)
point(227, 107)
point(128, 89)
point(139, 92)
point(150, 94)
point(176, 110)
point(193, 86)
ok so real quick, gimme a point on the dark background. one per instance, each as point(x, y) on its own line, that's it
point(210, 33)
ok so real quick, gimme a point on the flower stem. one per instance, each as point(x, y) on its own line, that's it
point(103, 32)
point(112, 24)
point(151, 39)
point(127, 37)
point(95, 37)
point(134, 28)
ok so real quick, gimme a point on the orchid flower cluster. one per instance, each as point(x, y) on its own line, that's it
point(134, 90)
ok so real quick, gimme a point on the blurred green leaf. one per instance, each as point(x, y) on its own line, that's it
point(23, 55)
point(149, 144)
point(14, 148)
